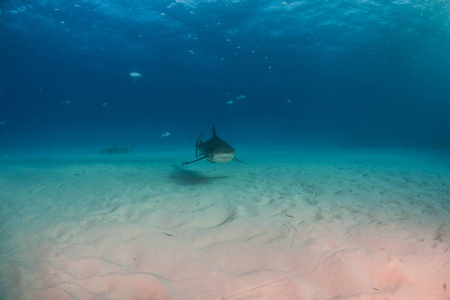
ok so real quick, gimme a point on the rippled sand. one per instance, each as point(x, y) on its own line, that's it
point(284, 226)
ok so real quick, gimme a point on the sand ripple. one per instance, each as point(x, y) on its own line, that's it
point(325, 227)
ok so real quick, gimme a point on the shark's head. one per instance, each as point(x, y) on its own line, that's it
point(220, 151)
point(221, 157)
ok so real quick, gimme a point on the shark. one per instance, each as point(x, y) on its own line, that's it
point(117, 150)
point(215, 150)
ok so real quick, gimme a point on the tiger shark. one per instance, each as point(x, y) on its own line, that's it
point(215, 150)
point(117, 150)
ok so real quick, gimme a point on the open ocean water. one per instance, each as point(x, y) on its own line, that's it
point(338, 109)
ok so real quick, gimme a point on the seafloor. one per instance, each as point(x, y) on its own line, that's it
point(312, 225)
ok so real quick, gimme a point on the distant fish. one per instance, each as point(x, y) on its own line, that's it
point(117, 150)
point(165, 134)
point(135, 74)
point(230, 102)
point(239, 97)
point(191, 52)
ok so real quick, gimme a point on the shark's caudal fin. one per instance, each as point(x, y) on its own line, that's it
point(197, 146)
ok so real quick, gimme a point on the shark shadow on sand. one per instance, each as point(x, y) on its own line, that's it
point(188, 177)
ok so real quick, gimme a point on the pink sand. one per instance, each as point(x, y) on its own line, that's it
point(353, 227)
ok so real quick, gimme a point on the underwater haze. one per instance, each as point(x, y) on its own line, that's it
point(328, 178)
point(275, 73)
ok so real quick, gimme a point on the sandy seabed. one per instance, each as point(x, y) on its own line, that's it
point(307, 226)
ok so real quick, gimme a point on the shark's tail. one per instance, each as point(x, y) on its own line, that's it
point(198, 144)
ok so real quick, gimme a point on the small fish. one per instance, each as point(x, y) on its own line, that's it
point(105, 103)
point(135, 74)
point(165, 134)
point(289, 100)
point(230, 102)
point(79, 173)
point(240, 97)
point(191, 52)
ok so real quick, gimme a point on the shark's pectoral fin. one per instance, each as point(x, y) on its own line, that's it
point(190, 162)
point(238, 160)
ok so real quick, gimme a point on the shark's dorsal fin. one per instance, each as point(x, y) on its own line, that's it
point(214, 132)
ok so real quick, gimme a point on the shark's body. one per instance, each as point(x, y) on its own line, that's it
point(117, 150)
point(215, 150)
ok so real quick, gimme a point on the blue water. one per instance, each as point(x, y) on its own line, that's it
point(343, 73)
point(340, 110)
